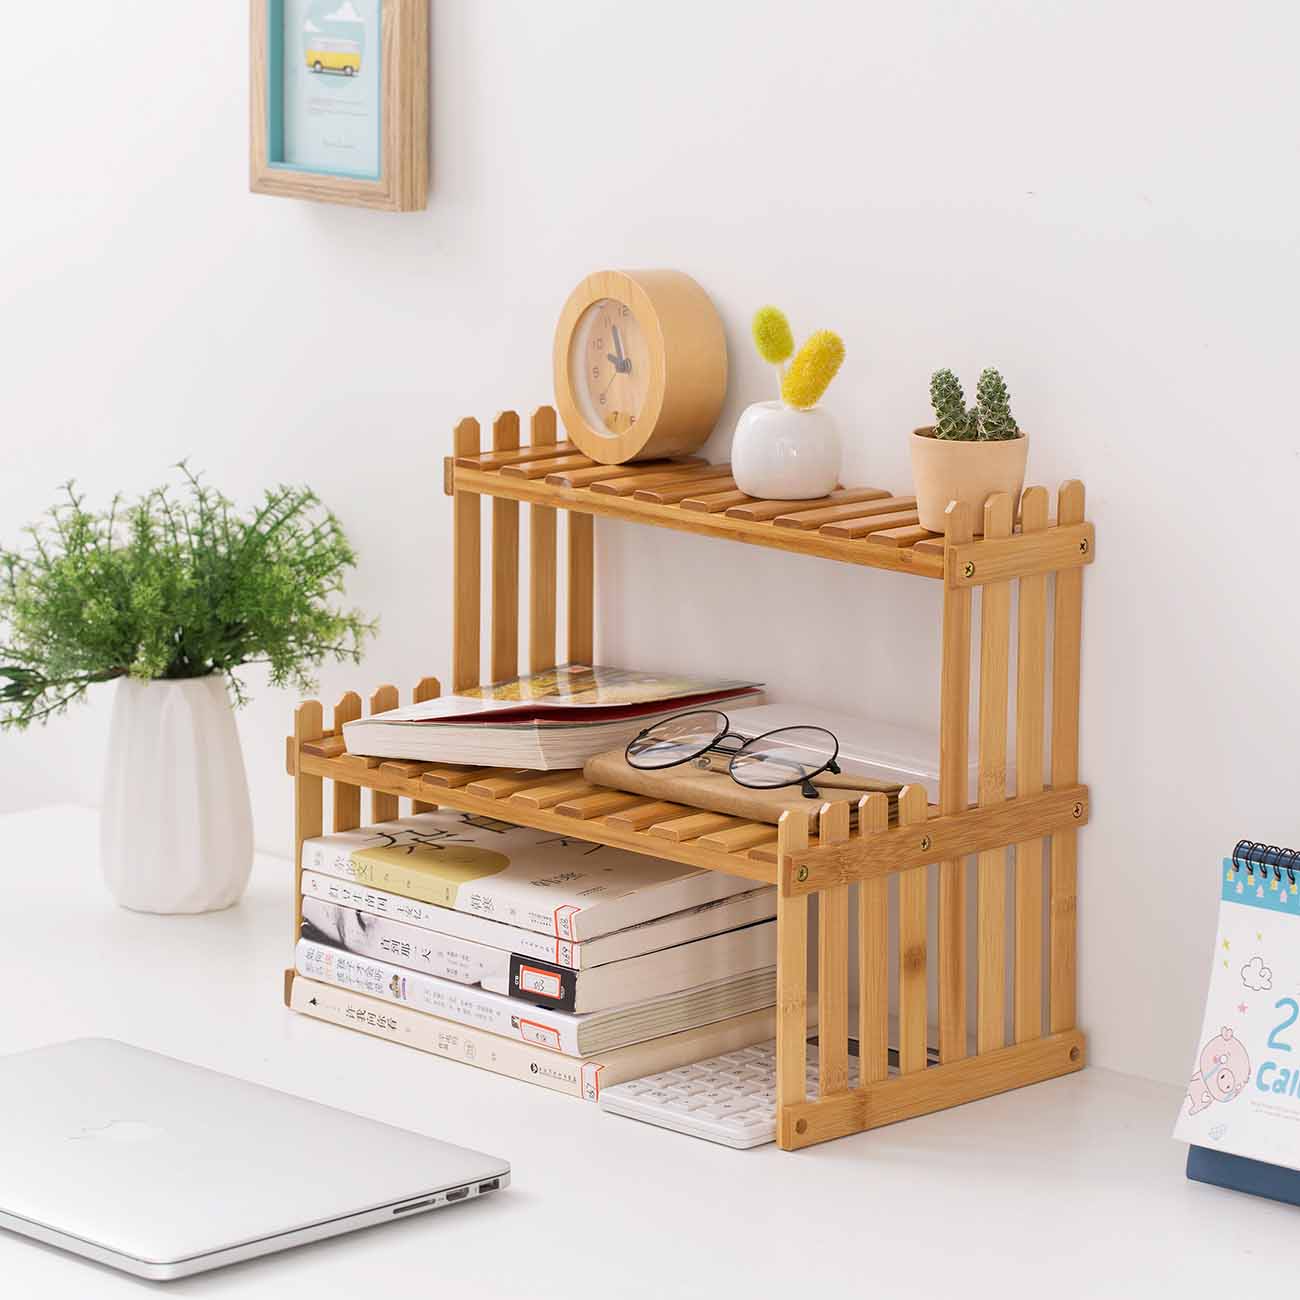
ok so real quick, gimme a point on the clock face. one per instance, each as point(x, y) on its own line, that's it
point(609, 367)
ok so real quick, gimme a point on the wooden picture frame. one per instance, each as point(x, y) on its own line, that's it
point(392, 173)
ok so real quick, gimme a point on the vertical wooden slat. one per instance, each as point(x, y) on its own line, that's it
point(383, 807)
point(873, 954)
point(308, 797)
point(542, 574)
point(954, 796)
point(347, 798)
point(1066, 634)
point(995, 671)
point(582, 581)
point(467, 575)
point(791, 976)
point(912, 927)
point(833, 964)
point(504, 656)
point(1031, 657)
point(427, 688)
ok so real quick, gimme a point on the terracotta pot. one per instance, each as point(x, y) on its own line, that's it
point(944, 471)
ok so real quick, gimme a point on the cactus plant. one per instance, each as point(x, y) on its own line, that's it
point(951, 420)
point(989, 420)
point(993, 408)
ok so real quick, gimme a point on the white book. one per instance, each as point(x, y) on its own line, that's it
point(670, 970)
point(561, 1031)
point(564, 887)
point(575, 1076)
point(681, 927)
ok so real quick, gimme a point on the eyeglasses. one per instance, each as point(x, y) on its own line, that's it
point(786, 756)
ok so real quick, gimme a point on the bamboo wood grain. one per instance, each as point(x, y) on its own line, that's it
point(991, 900)
point(739, 837)
point(427, 688)
point(543, 416)
point(531, 469)
point(543, 575)
point(833, 965)
point(765, 511)
point(913, 926)
point(504, 654)
point(695, 825)
point(870, 524)
point(383, 807)
point(644, 815)
point(873, 954)
point(451, 776)
point(954, 720)
point(672, 495)
point(327, 747)
point(1066, 636)
point(574, 478)
point(467, 529)
point(499, 787)
point(346, 798)
point(581, 590)
point(791, 979)
point(1030, 720)
point(623, 484)
point(904, 535)
point(596, 804)
point(1070, 545)
point(941, 1086)
point(308, 797)
point(547, 796)
point(856, 510)
point(711, 502)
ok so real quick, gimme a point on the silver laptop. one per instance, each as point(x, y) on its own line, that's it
point(165, 1169)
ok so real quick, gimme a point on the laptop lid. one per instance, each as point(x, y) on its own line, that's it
point(159, 1161)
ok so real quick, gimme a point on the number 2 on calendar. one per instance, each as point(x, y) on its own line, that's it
point(1273, 1040)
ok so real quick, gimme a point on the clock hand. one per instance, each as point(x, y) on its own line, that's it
point(618, 344)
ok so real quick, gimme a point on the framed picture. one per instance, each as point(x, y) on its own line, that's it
point(339, 93)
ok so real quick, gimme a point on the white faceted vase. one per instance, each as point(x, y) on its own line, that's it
point(782, 453)
point(177, 831)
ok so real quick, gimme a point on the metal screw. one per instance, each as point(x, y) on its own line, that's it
point(1077, 810)
point(801, 1126)
point(1083, 546)
point(802, 874)
point(925, 843)
point(969, 570)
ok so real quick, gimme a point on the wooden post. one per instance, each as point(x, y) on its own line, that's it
point(1030, 668)
point(427, 688)
point(791, 978)
point(1066, 637)
point(504, 663)
point(954, 795)
point(383, 807)
point(873, 954)
point(995, 672)
point(582, 580)
point(913, 810)
point(833, 964)
point(308, 797)
point(543, 577)
point(467, 575)
point(347, 798)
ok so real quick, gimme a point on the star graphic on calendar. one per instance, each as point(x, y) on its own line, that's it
point(1242, 1008)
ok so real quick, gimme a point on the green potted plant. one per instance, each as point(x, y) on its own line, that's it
point(967, 454)
point(171, 598)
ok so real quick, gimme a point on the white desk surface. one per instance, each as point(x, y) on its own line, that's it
point(1067, 1189)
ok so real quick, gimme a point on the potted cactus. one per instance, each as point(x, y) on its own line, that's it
point(967, 454)
point(789, 450)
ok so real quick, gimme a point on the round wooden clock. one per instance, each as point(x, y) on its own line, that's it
point(640, 365)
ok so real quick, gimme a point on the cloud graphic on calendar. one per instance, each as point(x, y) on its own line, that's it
point(1256, 976)
point(346, 13)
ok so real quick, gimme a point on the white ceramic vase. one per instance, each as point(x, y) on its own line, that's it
point(784, 454)
point(176, 833)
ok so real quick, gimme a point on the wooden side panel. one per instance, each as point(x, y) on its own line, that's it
point(543, 577)
point(995, 671)
point(833, 964)
point(347, 798)
point(1066, 636)
point(954, 724)
point(308, 797)
point(912, 928)
point(467, 576)
point(791, 977)
point(383, 807)
point(504, 656)
point(873, 954)
point(1030, 679)
point(427, 688)
point(582, 585)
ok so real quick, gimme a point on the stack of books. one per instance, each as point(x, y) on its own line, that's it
point(547, 958)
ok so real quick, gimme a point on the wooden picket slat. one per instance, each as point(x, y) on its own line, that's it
point(833, 965)
point(912, 942)
point(856, 510)
point(625, 485)
point(873, 954)
point(499, 787)
point(991, 901)
point(1066, 634)
point(346, 798)
point(542, 796)
point(1031, 655)
point(427, 688)
point(504, 652)
point(383, 807)
point(738, 838)
point(576, 478)
point(759, 511)
point(466, 561)
point(866, 525)
point(907, 535)
point(791, 976)
point(582, 588)
point(308, 797)
point(712, 502)
point(640, 816)
point(531, 469)
point(670, 494)
point(596, 804)
point(451, 776)
point(543, 576)
point(954, 796)
point(680, 829)
point(534, 452)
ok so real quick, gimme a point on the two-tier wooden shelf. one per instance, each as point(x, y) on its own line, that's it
point(1004, 1007)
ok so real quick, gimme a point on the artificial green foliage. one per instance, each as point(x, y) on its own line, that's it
point(989, 420)
point(168, 589)
point(772, 336)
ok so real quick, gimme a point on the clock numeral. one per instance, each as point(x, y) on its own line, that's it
point(595, 372)
point(602, 399)
point(598, 345)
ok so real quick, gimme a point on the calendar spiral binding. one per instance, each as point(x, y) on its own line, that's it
point(1252, 856)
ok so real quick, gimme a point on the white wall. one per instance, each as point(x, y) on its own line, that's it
point(1100, 199)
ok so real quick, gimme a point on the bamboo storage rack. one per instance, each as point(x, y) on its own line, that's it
point(804, 857)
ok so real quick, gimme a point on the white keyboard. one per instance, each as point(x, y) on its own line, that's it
point(730, 1099)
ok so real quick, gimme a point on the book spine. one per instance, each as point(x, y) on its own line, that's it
point(453, 1042)
point(462, 1003)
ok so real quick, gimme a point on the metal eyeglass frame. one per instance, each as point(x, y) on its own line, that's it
point(804, 780)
